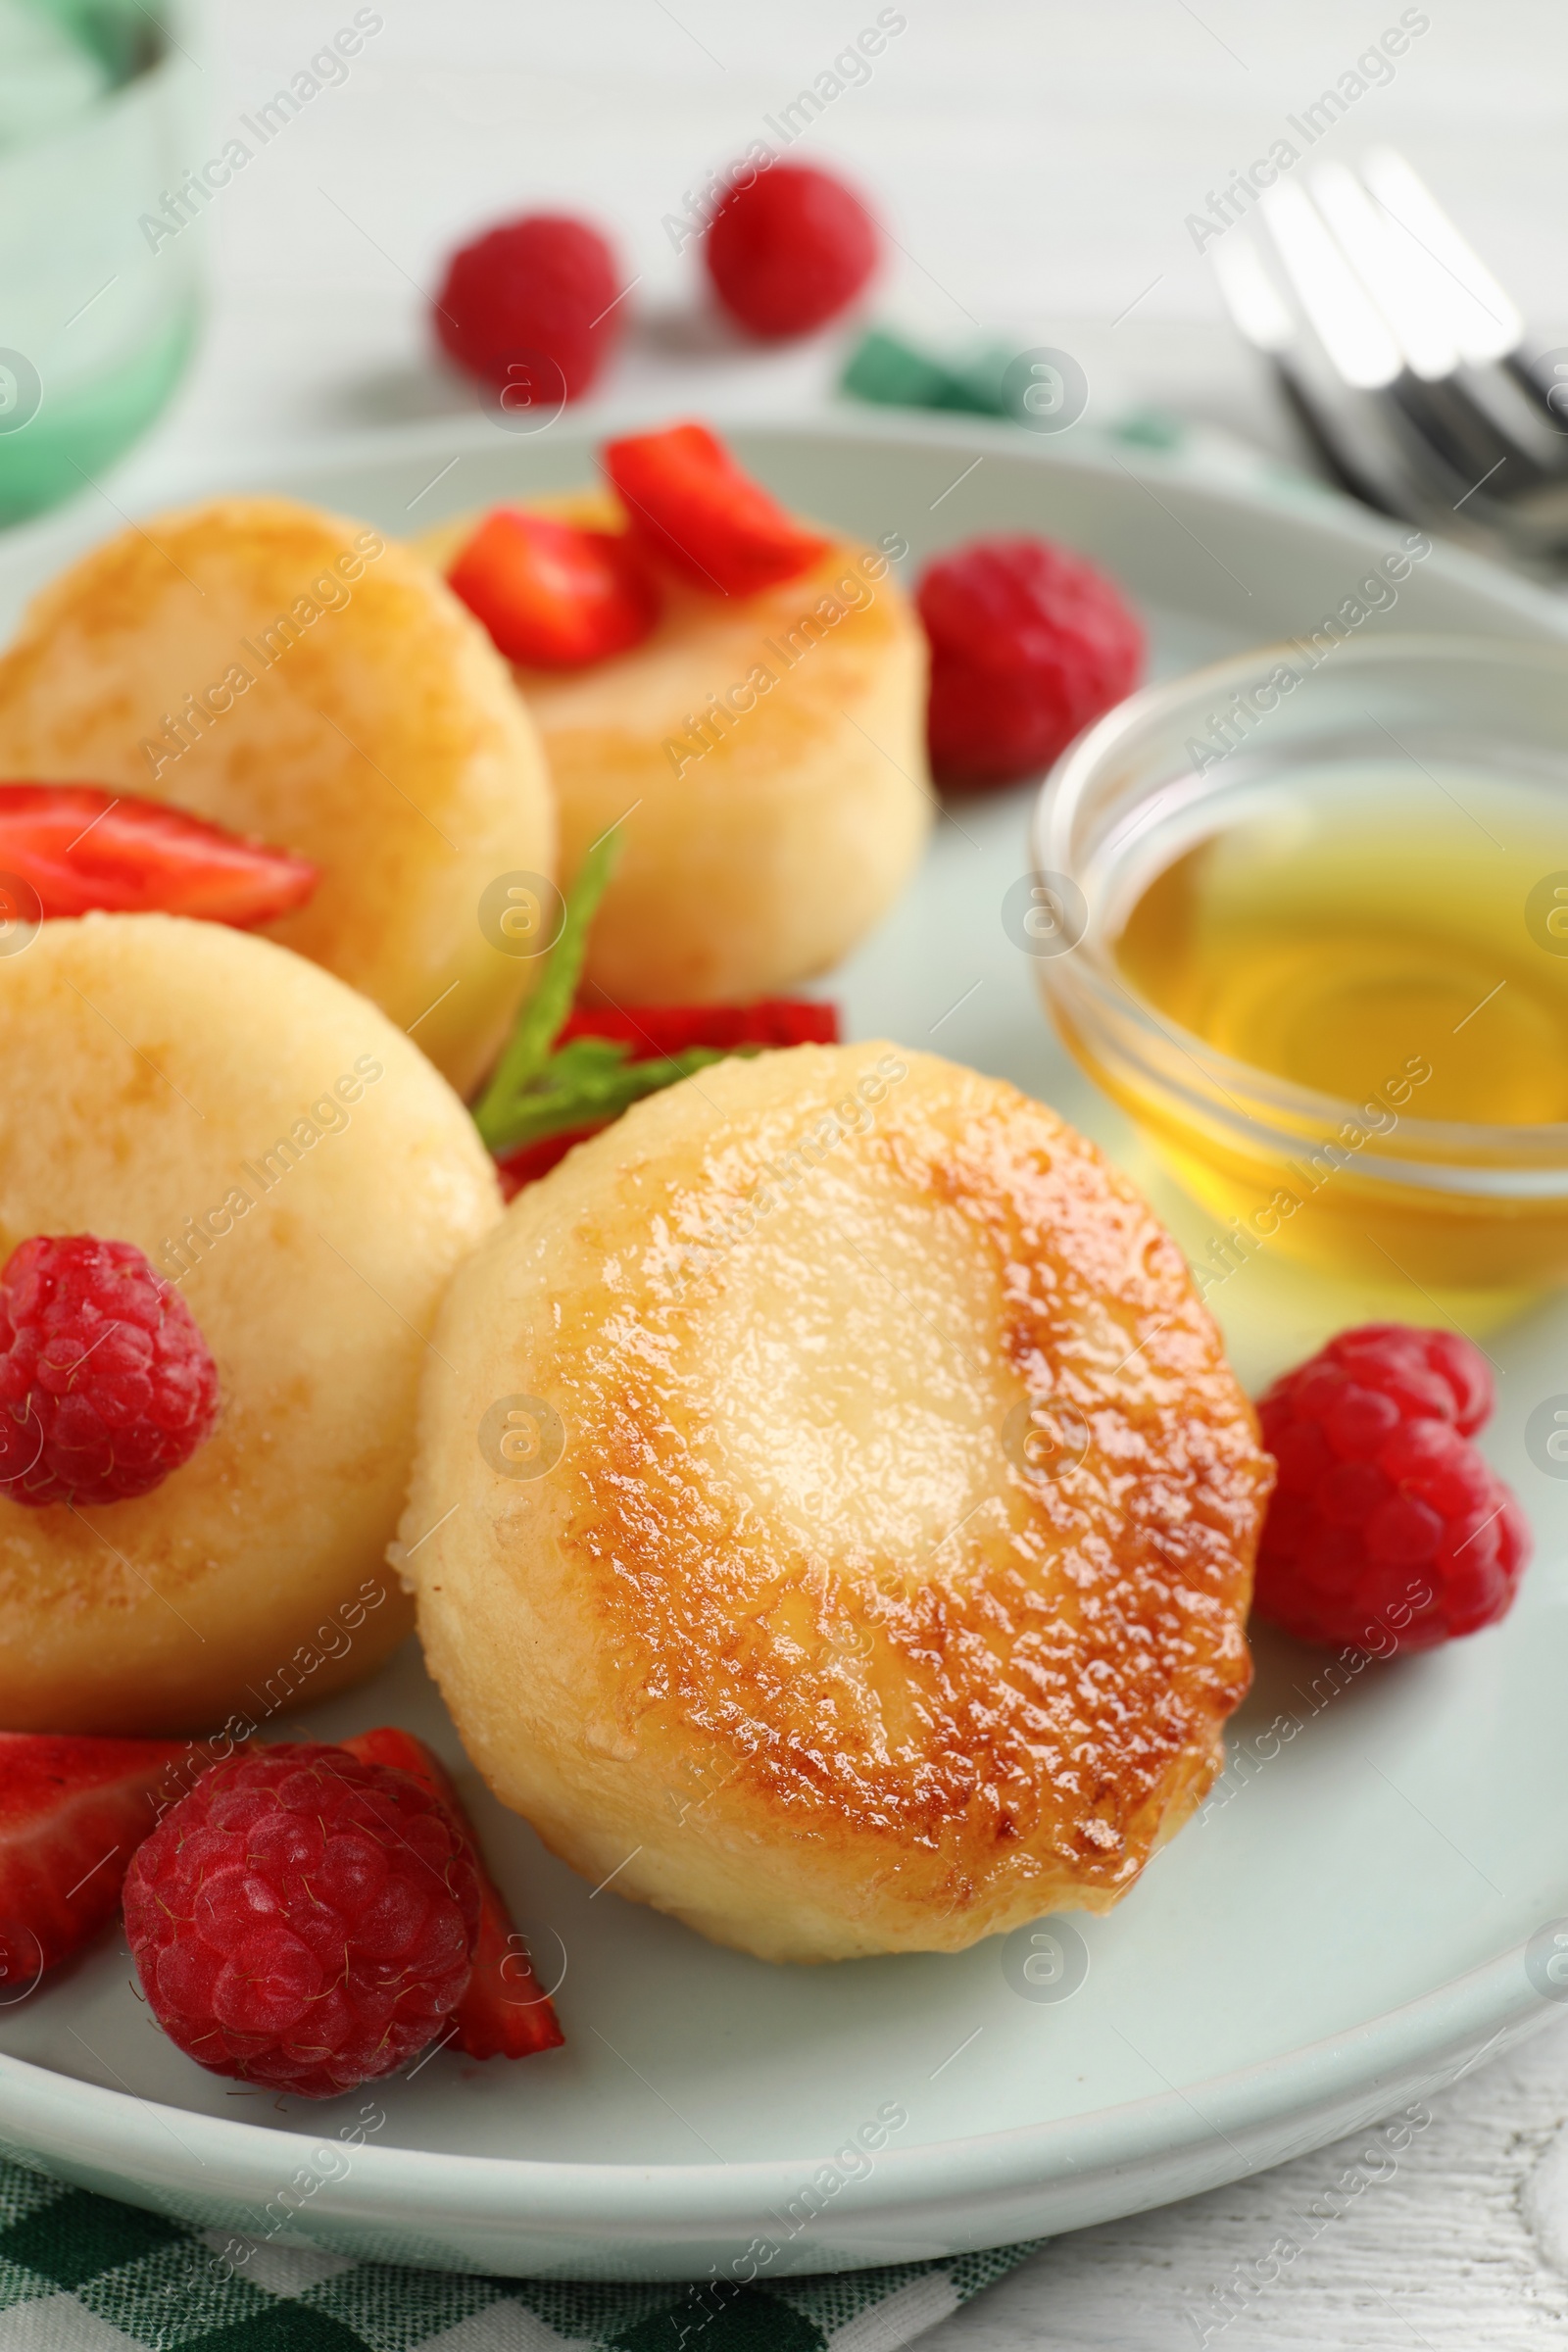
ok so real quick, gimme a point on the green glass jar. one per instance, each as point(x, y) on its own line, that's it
point(98, 303)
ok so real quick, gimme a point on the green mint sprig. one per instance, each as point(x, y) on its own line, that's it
point(589, 1081)
point(539, 1091)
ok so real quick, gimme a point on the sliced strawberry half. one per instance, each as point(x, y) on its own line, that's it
point(652, 1030)
point(67, 849)
point(554, 596)
point(73, 1811)
point(505, 2012)
point(525, 1163)
point(662, 1031)
point(691, 506)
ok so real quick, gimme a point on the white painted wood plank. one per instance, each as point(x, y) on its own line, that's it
point(1440, 2253)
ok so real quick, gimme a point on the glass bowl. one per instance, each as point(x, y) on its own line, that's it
point(1371, 1188)
point(101, 235)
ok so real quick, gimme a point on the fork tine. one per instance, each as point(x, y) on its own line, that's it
point(1402, 356)
point(1336, 303)
point(1413, 317)
point(1486, 324)
point(1351, 257)
point(1262, 316)
point(1464, 403)
point(1250, 296)
point(1495, 328)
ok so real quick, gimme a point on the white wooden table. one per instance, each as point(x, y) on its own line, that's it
point(1037, 164)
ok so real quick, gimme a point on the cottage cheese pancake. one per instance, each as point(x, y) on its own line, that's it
point(764, 759)
point(291, 675)
point(275, 1145)
point(843, 1512)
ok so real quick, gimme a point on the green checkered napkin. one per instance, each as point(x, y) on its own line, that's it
point(81, 2273)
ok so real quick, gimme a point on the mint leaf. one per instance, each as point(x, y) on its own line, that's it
point(589, 1081)
point(536, 1092)
point(529, 1047)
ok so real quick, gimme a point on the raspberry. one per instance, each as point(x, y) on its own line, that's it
point(303, 1919)
point(790, 250)
point(1388, 1529)
point(1028, 644)
point(505, 2012)
point(541, 288)
point(106, 1383)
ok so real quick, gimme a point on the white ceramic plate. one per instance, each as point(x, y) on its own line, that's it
point(1343, 1931)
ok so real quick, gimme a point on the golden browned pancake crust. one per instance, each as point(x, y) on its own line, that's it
point(803, 1636)
point(762, 759)
point(294, 676)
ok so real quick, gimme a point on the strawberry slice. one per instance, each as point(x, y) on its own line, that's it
point(73, 1811)
point(525, 1163)
point(663, 1035)
point(504, 2013)
point(656, 1030)
point(691, 506)
point(66, 849)
point(554, 596)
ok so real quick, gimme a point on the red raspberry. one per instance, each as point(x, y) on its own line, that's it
point(544, 287)
point(1028, 644)
point(1388, 1529)
point(106, 1383)
point(303, 1919)
point(790, 250)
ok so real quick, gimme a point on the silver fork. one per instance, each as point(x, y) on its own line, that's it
point(1404, 359)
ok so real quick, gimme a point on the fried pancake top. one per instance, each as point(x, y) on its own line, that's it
point(832, 623)
point(904, 1480)
point(294, 676)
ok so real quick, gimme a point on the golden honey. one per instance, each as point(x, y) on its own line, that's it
point(1395, 939)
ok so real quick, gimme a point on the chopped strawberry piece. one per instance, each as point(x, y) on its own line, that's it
point(73, 1811)
point(77, 847)
point(504, 2013)
point(527, 1162)
point(689, 505)
point(653, 1030)
point(652, 1034)
point(554, 596)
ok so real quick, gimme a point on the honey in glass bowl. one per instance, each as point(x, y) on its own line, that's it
point(1362, 922)
point(1326, 966)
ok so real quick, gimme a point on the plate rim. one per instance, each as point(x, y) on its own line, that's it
point(1482, 2006)
point(1279, 492)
